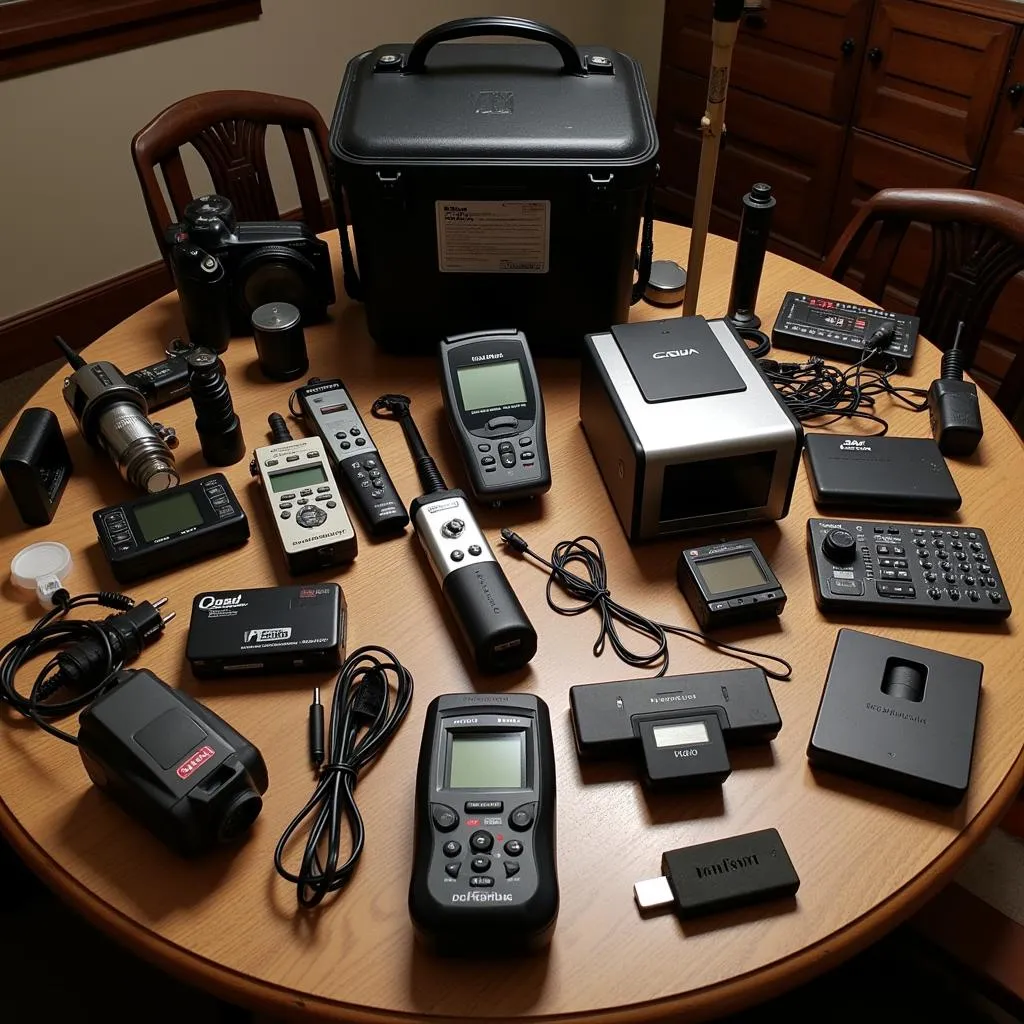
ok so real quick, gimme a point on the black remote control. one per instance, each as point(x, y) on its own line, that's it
point(905, 569)
point(328, 409)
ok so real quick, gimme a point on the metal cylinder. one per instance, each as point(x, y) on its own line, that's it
point(134, 446)
point(280, 343)
point(755, 225)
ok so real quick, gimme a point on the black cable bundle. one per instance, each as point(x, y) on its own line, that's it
point(366, 711)
point(814, 389)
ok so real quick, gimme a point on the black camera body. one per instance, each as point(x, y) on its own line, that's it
point(171, 763)
point(261, 262)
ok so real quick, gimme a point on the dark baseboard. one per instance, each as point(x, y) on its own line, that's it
point(83, 316)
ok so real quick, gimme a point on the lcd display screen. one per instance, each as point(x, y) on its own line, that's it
point(491, 385)
point(169, 515)
point(680, 734)
point(736, 572)
point(716, 486)
point(305, 476)
point(483, 761)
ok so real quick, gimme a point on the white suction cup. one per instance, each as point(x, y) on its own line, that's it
point(42, 567)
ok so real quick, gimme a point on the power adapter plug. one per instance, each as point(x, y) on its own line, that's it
point(720, 875)
point(953, 407)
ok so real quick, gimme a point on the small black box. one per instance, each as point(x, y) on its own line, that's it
point(36, 466)
point(899, 716)
point(267, 630)
point(905, 473)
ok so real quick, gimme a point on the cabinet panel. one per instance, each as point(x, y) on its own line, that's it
point(792, 52)
point(798, 155)
point(1002, 166)
point(931, 76)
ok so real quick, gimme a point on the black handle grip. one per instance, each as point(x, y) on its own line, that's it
point(848, 45)
point(523, 28)
point(875, 55)
point(1015, 91)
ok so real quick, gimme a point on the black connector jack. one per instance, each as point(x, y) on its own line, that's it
point(953, 407)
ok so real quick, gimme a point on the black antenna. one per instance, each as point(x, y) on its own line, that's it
point(74, 359)
point(397, 407)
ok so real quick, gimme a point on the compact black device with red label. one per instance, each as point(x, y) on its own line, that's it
point(484, 876)
point(728, 583)
point(840, 330)
point(152, 534)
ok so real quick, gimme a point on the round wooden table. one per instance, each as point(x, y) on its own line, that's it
point(866, 857)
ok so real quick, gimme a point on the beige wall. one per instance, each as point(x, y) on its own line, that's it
point(71, 213)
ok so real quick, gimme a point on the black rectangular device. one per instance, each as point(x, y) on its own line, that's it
point(162, 531)
point(466, 184)
point(728, 583)
point(496, 413)
point(840, 330)
point(484, 876)
point(898, 715)
point(36, 466)
point(905, 473)
point(882, 568)
point(328, 409)
point(267, 630)
point(681, 723)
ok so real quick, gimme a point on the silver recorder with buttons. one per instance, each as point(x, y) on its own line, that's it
point(311, 519)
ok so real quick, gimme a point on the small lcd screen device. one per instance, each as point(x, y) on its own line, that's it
point(162, 531)
point(496, 412)
point(484, 878)
point(728, 583)
point(840, 330)
point(36, 466)
point(682, 724)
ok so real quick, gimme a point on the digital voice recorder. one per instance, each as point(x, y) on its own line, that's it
point(496, 412)
point(490, 617)
point(484, 875)
point(312, 523)
point(328, 409)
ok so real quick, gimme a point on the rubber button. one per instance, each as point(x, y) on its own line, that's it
point(444, 817)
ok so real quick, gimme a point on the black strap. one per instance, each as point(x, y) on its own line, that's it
point(349, 274)
point(643, 269)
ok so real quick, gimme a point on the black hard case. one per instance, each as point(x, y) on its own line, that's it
point(494, 122)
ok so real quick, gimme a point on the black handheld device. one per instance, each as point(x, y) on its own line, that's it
point(490, 617)
point(905, 569)
point(484, 876)
point(150, 535)
point(682, 723)
point(843, 330)
point(728, 583)
point(36, 466)
point(327, 408)
point(496, 412)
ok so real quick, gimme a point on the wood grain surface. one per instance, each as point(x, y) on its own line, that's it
point(866, 857)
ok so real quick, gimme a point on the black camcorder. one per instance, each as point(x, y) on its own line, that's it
point(171, 763)
point(253, 263)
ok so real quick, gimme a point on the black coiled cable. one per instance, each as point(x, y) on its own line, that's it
point(53, 632)
point(591, 591)
point(366, 710)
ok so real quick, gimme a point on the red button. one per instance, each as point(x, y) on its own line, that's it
point(472, 822)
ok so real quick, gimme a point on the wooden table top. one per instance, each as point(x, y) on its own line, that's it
point(866, 857)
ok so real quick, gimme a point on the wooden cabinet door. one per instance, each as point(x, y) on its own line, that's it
point(797, 154)
point(931, 77)
point(803, 53)
point(1002, 165)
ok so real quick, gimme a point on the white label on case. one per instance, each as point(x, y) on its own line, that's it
point(493, 237)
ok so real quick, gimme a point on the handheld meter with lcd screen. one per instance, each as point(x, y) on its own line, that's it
point(484, 876)
point(729, 583)
point(496, 412)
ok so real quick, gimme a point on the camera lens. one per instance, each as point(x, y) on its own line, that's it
point(238, 816)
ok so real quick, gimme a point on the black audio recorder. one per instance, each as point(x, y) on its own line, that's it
point(840, 330)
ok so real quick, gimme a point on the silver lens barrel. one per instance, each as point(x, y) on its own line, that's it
point(138, 451)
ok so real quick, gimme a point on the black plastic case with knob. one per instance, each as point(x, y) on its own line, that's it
point(492, 184)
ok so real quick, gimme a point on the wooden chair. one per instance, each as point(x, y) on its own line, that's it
point(977, 246)
point(228, 129)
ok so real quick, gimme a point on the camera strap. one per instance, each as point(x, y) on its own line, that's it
point(349, 274)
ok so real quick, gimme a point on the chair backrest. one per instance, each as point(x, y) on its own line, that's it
point(228, 129)
point(977, 247)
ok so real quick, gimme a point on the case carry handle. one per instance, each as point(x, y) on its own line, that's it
point(524, 28)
